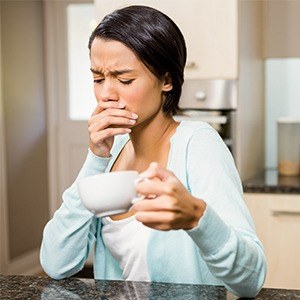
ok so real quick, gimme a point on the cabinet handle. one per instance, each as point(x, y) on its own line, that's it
point(285, 213)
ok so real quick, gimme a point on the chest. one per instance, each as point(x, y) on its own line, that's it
point(128, 159)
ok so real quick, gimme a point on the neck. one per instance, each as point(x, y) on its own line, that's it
point(152, 135)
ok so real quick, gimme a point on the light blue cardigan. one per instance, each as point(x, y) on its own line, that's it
point(222, 250)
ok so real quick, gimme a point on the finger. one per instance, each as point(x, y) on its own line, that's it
point(165, 220)
point(112, 104)
point(161, 203)
point(111, 112)
point(102, 105)
point(158, 226)
point(158, 187)
point(97, 110)
point(155, 170)
point(111, 122)
point(119, 112)
point(98, 137)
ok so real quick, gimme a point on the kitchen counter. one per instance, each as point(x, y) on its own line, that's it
point(270, 182)
point(29, 287)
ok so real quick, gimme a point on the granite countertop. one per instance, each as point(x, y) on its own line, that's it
point(29, 287)
point(270, 182)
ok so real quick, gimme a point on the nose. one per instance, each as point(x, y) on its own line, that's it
point(108, 91)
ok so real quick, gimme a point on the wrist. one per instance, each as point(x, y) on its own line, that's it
point(199, 209)
point(98, 156)
point(99, 152)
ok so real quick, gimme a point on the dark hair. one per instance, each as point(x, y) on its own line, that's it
point(155, 39)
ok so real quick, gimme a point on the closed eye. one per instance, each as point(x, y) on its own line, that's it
point(123, 81)
point(98, 80)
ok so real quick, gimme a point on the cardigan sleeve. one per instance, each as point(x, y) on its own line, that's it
point(70, 234)
point(225, 234)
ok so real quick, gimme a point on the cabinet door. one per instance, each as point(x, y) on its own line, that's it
point(210, 29)
point(277, 221)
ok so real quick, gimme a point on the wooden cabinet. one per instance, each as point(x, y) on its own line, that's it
point(209, 27)
point(277, 221)
point(282, 25)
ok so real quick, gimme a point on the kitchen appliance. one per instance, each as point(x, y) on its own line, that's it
point(213, 101)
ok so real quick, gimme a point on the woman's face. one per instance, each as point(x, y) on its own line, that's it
point(120, 76)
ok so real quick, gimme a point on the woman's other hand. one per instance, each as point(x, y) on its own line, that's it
point(109, 118)
point(172, 207)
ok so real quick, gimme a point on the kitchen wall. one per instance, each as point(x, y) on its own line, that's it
point(25, 132)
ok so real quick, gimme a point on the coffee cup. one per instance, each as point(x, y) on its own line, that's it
point(109, 193)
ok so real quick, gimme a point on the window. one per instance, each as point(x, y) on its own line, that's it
point(81, 21)
point(282, 99)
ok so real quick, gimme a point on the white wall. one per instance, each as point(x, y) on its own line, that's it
point(282, 76)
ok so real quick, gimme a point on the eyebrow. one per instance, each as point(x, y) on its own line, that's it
point(113, 73)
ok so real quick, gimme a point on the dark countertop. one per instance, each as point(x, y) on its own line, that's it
point(270, 182)
point(29, 287)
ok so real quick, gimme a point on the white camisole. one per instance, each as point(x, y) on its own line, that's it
point(127, 242)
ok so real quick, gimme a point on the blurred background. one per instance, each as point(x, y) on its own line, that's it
point(249, 48)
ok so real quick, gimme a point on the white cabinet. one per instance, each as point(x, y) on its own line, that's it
point(277, 221)
point(209, 27)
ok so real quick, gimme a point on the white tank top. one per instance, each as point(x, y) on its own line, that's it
point(127, 242)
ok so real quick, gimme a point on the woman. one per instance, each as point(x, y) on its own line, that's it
point(193, 226)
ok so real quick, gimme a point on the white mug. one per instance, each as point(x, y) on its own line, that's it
point(109, 193)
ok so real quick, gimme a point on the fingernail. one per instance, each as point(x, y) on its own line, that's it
point(134, 116)
point(121, 104)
